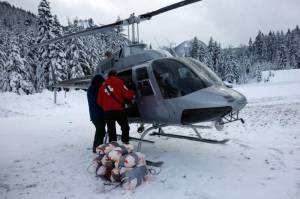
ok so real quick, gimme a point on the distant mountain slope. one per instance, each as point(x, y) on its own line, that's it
point(184, 47)
point(15, 19)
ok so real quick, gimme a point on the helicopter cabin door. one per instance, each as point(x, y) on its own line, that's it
point(132, 111)
point(151, 108)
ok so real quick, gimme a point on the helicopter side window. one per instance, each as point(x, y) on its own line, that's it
point(176, 79)
point(145, 88)
point(142, 74)
point(143, 82)
point(126, 76)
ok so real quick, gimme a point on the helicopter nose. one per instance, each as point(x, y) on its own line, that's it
point(190, 116)
point(235, 99)
point(242, 102)
point(207, 104)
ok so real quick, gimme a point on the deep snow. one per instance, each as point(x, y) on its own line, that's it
point(44, 149)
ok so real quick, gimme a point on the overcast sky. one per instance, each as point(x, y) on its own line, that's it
point(231, 22)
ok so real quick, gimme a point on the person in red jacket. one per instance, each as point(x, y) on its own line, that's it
point(111, 97)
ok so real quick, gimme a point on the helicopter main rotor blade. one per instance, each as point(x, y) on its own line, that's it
point(167, 8)
point(90, 31)
point(131, 20)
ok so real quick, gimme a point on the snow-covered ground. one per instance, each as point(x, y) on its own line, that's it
point(43, 150)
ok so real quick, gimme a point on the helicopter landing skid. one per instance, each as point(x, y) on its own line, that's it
point(210, 141)
point(160, 132)
point(137, 139)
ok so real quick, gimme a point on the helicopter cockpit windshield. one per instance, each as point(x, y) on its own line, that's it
point(203, 70)
point(178, 78)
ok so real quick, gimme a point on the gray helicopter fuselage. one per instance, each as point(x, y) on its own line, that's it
point(185, 104)
point(169, 90)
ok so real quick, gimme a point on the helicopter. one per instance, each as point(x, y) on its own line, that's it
point(170, 91)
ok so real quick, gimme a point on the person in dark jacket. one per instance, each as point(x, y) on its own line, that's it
point(111, 98)
point(96, 112)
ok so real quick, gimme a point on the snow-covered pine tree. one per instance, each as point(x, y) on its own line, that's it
point(77, 58)
point(213, 55)
point(243, 63)
point(4, 81)
point(31, 56)
point(288, 45)
point(270, 48)
point(58, 69)
point(259, 47)
point(251, 58)
point(258, 73)
point(297, 33)
point(216, 58)
point(210, 51)
point(4, 41)
point(45, 32)
point(3, 60)
point(222, 65)
point(101, 45)
point(25, 41)
point(202, 53)
point(293, 45)
point(91, 23)
point(281, 58)
point(18, 74)
point(114, 40)
point(93, 46)
point(250, 48)
point(245, 67)
point(3, 56)
point(230, 67)
point(194, 52)
point(79, 63)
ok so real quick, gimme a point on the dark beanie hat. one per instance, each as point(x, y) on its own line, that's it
point(112, 73)
point(97, 80)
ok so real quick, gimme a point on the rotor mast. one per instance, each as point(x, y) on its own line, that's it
point(133, 21)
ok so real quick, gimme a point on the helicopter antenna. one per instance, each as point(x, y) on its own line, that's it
point(133, 29)
point(125, 22)
point(138, 32)
point(128, 35)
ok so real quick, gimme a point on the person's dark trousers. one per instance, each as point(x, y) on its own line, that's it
point(121, 117)
point(100, 132)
